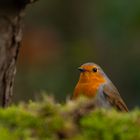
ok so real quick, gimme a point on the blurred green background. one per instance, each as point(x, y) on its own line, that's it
point(59, 36)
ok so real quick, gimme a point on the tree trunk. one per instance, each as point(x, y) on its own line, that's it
point(11, 15)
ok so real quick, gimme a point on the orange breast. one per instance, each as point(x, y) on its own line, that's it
point(86, 89)
point(88, 84)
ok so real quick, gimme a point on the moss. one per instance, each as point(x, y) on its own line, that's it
point(48, 120)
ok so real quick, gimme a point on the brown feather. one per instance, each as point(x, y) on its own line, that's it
point(114, 97)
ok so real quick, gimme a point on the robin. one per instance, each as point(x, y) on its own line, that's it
point(94, 84)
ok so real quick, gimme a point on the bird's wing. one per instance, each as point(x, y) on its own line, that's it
point(113, 96)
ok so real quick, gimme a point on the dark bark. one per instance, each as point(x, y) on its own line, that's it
point(11, 15)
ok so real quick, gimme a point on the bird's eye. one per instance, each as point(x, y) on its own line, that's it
point(94, 69)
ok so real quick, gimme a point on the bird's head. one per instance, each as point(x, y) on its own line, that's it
point(90, 72)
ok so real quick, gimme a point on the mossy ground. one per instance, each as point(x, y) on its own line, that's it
point(47, 120)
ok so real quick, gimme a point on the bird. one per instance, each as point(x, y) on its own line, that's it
point(95, 84)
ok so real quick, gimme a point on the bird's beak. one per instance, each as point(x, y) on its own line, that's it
point(81, 69)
